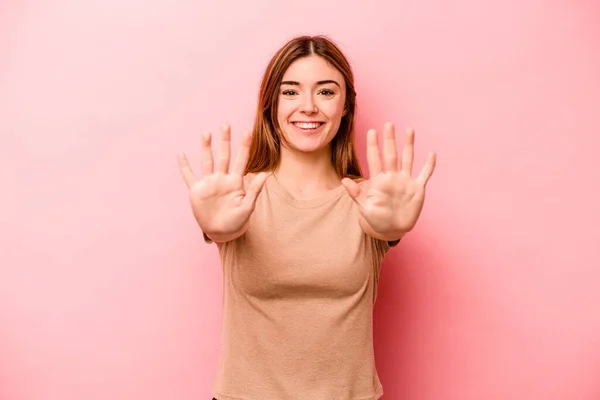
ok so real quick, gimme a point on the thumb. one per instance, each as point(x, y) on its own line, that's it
point(254, 189)
point(352, 188)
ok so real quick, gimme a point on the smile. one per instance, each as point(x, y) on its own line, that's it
point(307, 125)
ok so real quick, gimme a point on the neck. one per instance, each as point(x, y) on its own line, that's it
point(306, 174)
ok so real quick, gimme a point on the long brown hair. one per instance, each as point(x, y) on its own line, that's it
point(265, 149)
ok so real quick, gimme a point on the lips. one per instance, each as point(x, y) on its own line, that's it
point(307, 125)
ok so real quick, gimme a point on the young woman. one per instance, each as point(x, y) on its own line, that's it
point(302, 234)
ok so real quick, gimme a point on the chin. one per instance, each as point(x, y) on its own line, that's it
point(308, 142)
point(307, 149)
point(303, 147)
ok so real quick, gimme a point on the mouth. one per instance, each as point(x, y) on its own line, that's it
point(311, 126)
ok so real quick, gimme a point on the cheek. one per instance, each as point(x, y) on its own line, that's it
point(284, 109)
point(334, 110)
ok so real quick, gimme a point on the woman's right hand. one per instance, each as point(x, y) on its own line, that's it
point(220, 202)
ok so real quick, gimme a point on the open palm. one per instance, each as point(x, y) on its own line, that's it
point(391, 201)
point(221, 203)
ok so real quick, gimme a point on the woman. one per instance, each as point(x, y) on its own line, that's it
point(301, 234)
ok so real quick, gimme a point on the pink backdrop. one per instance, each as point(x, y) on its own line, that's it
point(106, 289)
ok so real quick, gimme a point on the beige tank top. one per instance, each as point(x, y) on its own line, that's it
point(298, 294)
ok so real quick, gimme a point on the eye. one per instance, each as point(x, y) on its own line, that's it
point(289, 92)
point(326, 92)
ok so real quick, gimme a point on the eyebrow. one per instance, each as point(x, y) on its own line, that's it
point(296, 83)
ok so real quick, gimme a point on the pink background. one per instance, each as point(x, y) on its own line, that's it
point(106, 289)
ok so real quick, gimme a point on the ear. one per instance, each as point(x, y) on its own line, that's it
point(345, 111)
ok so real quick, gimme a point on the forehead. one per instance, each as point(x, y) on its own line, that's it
point(311, 69)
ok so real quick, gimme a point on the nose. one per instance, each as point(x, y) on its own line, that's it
point(308, 105)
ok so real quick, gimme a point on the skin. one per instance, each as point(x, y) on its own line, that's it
point(311, 90)
point(389, 203)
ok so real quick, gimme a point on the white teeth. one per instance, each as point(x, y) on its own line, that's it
point(307, 125)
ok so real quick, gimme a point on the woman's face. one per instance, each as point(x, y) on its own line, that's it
point(311, 103)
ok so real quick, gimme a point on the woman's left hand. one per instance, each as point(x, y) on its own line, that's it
point(391, 201)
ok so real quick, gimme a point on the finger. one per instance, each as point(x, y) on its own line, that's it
point(353, 190)
point(206, 154)
point(224, 149)
point(390, 151)
point(243, 154)
point(408, 151)
point(373, 158)
point(427, 170)
point(352, 187)
point(186, 171)
point(254, 189)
